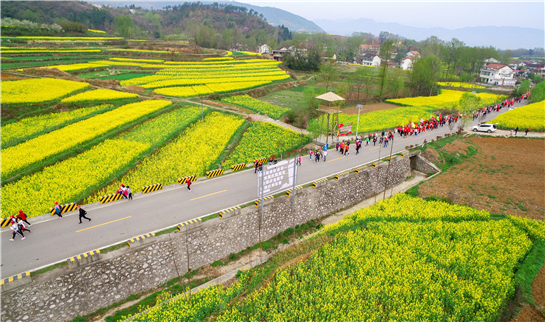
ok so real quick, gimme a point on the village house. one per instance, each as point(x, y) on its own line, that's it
point(407, 62)
point(367, 48)
point(412, 53)
point(264, 49)
point(498, 74)
point(280, 52)
point(491, 60)
point(370, 60)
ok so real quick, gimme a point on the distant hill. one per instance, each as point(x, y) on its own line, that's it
point(278, 17)
point(499, 37)
point(274, 16)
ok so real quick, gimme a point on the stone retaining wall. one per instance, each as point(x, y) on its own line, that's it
point(63, 293)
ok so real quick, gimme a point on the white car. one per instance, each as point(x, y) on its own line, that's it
point(485, 128)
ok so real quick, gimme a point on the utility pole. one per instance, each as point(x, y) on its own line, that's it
point(358, 124)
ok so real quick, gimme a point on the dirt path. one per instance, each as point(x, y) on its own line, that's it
point(264, 118)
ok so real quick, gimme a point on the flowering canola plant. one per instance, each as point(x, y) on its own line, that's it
point(191, 153)
point(19, 157)
point(460, 84)
point(445, 99)
point(530, 116)
point(414, 261)
point(256, 105)
point(98, 95)
point(260, 140)
point(71, 179)
point(38, 90)
point(30, 126)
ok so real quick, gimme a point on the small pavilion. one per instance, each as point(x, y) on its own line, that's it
point(330, 108)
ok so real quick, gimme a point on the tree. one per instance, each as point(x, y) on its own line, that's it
point(328, 73)
point(424, 75)
point(466, 106)
point(123, 25)
point(384, 54)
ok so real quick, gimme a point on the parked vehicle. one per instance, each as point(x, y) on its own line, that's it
point(485, 128)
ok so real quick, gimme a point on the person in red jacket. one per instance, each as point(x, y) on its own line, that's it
point(22, 215)
point(188, 184)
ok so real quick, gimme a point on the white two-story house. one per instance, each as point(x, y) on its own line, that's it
point(370, 60)
point(498, 74)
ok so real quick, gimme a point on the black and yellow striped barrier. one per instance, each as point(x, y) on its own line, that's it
point(84, 258)
point(214, 173)
point(110, 198)
point(5, 222)
point(141, 240)
point(296, 188)
point(189, 222)
point(228, 210)
point(15, 281)
point(360, 169)
point(318, 183)
point(191, 178)
point(236, 167)
point(374, 165)
point(256, 203)
point(389, 159)
point(64, 208)
point(262, 160)
point(152, 187)
point(401, 154)
point(341, 175)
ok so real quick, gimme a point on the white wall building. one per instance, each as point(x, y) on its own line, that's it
point(407, 63)
point(264, 49)
point(370, 60)
point(498, 74)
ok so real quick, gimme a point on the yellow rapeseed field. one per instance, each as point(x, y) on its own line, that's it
point(19, 157)
point(38, 90)
point(98, 95)
point(531, 116)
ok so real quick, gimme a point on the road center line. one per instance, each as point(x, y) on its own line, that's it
point(378, 147)
point(207, 195)
point(335, 159)
point(109, 222)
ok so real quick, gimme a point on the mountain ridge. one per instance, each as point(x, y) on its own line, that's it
point(500, 37)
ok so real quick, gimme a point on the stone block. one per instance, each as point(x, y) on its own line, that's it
point(341, 175)
point(84, 258)
point(15, 281)
point(189, 224)
point(229, 212)
point(319, 183)
point(267, 200)
point(141, 240)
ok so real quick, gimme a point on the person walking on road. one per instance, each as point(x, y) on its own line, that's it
point(188, 181)
point(129, 192)
point(58, 210)
point(82, 214)
point(526, 131)
point(516, 130)
point(255, 166)
point(299, 159)
point(325, 155)
point(15, 229)
point(22, 215)
point(310, 152)
point(21, 225)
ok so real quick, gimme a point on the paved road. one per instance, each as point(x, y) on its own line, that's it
point(57, 239)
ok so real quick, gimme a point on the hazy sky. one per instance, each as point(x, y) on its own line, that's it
point(439, 13)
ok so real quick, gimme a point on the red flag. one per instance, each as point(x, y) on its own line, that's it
point(344, 130)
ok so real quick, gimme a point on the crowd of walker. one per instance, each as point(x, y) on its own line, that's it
point(19, 223)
